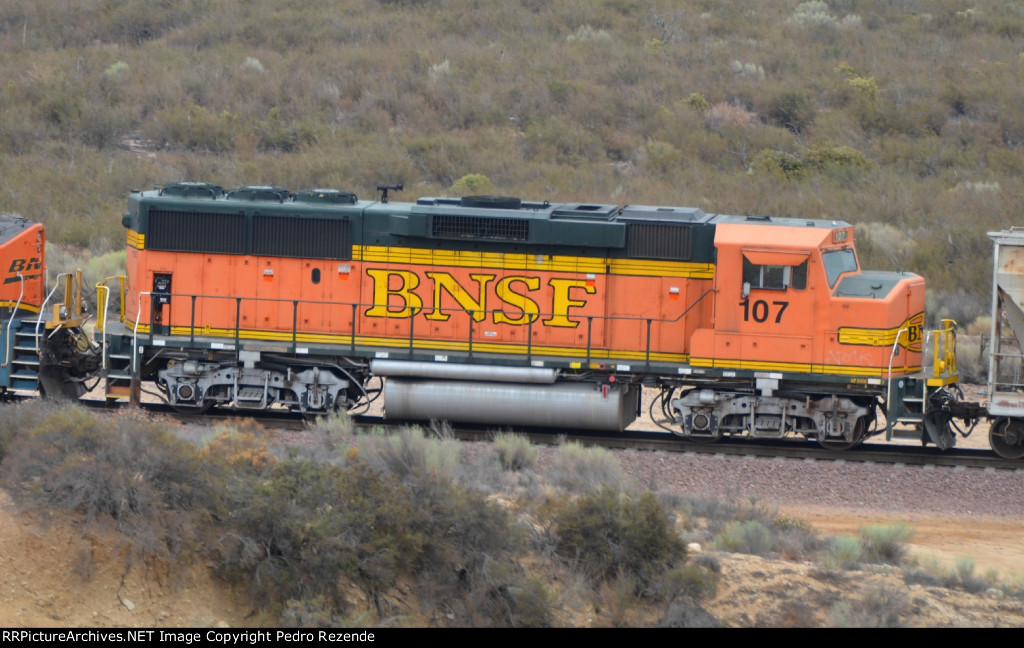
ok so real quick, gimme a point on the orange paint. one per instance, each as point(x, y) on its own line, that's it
point(788, 318)
point(24, 269)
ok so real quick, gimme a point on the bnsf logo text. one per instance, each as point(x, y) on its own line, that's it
point(23, 266)
point(514, 300)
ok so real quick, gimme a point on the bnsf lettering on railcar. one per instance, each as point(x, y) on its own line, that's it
point(33, 264)
point(515, 299)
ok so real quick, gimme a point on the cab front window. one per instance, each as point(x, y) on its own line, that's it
point(837, 262)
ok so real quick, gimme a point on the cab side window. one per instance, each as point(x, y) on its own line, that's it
point(775, 277)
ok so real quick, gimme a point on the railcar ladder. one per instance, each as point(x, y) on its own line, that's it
point(118, 376)
point(24, 365)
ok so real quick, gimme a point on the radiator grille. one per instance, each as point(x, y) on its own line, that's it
point(193, 231)
point(660, 241)
point(475, 227)
point(310, 238)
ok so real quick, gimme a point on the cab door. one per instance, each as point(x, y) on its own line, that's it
point(775, 313)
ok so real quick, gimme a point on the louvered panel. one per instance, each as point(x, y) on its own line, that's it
point(190, 231)
point(660, 241)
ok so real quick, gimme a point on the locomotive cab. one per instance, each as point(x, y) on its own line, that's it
point(807, 337)
point(792, 298)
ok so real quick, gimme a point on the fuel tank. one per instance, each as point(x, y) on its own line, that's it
point(585, 406)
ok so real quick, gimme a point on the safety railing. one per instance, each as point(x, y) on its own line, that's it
point(103, 306)
point(940, 354)
point(10, 322)
point(68, 312)
point(234, 330)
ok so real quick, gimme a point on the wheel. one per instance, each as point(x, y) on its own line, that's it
point(713, 437)
point(839, 445)
point(201, 408)
point(1006, 436)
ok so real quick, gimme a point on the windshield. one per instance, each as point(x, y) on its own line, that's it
point(837, 262)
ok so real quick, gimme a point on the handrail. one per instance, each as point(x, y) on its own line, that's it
point(414, 310)
point(888, 386)
point(135, 332)
point(10, 322)
point(948, 346)
point(42, 308)
point(101, 319)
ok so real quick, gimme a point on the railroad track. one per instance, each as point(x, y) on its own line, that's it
point(650, 441)
point(790, 449)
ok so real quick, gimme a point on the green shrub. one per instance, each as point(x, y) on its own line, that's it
point(515, 452)
point(783, 165)
point(580, 467)
point(17, 418)
point(472, 184)
point(333, 432)
point(410, 453)
point(913, 575)
point(123, 471)
point(298, 532)
point(691, 582)
point(698, 102)
point(962, 576)
point(885, 543)
point(562, 142)
point(795, 539)
point(881, 605)
point(843, 552)
point(750, 537)
point(610, 534)
point(793, 110)
point(660, 158)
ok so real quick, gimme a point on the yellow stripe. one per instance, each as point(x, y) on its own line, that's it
point(792, 367)
point(540, 262)
point(648, 268)
point(22, 306)
point(439, 345)
point(886, 337)
point(472, 259)
point(868, 337)
point(136, 240)
point(522, 349)
point(518, 262)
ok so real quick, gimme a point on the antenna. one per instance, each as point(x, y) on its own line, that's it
point(383, 189)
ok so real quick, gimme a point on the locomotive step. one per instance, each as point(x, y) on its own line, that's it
point(249, 394)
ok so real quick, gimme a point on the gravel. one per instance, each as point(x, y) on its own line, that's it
point(833, 484)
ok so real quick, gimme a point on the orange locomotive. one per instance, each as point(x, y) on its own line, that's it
point(498, 311)
point(47, 354)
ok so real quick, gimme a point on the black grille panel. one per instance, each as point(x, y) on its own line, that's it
point(660, 241)
point(475, 227)
point(191, 231)
point(311, 238)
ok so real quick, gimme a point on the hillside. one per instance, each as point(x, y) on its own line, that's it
point(901, 117)
point(62, 573)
